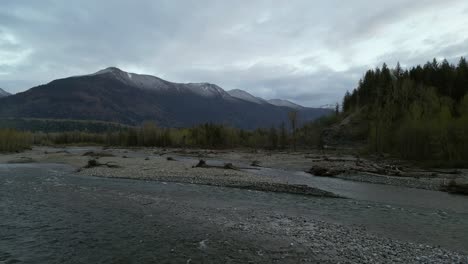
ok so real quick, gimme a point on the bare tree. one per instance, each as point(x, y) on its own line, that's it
point(293, 119)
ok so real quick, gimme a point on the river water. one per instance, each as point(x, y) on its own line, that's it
point(48, 214)
point(386, 194)
point(392, 195)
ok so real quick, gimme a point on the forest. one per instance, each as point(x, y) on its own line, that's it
point(420, 113)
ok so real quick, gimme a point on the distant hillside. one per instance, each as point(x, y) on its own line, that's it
point(4, 93)
point(113, 95)
point(51, 125)
point(285, 103)
point(243, 95)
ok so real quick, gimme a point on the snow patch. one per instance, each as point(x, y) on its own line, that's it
point(207, 90)
point(141, 81)
point(149, 82)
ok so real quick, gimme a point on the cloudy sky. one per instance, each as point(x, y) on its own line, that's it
point(310, 52)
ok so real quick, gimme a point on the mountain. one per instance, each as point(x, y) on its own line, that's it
point(4, 93)
point(114, 95)
point(305, 113)
point(285, 103)
point(243, 95)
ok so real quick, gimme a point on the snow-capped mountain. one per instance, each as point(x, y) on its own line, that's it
point(137, 80)
point(129, 98)
point(150, 82)
point(285, 103)
point(4, 93)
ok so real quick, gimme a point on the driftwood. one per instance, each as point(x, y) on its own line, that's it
point(230, 166)
point(324, 172)
point(94, 163)
point(57, 152)
point(451, 172)
point(98, 154)
point(201, 164)
point(226, 166)
point(255, 163)
point(454, 187)
point(328, 170)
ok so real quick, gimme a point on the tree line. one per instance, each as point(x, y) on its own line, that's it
point(208, 135)
point(58, 125)
point(419, 113)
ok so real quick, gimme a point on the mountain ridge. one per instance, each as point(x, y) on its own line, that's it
point(286, 103)
point(117, 96)
point(4, 93)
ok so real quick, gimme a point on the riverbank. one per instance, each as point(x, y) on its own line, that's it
point(342, 165)
point(157, 165)
point(177, 165)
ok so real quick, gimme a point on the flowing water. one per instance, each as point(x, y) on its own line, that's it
point(387, 194)
point(48, 214)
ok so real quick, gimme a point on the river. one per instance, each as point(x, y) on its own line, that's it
point(51, 215)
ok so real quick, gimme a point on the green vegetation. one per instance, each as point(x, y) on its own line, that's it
point(12, 140)
point(202, 136)
point(150, 135)
point(419, 114)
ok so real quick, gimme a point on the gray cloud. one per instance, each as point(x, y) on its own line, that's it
point(301, 50)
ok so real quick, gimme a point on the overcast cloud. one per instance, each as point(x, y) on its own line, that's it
point(310, 52)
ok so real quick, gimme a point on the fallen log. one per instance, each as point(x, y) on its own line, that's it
point(98, 154)
point(226, 166)
point(455, 187)
point(255, 163)
point(94, 163)
point(324, 172)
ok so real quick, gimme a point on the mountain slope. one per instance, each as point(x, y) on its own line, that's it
point(286, 103)
point(305, 113)
point(243, 95)
point(117, 96)
point(4, 93)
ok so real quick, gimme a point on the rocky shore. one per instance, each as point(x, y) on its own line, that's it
point(146, 164)
point(346, 166)
point(334, 243)
point(173, 165)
